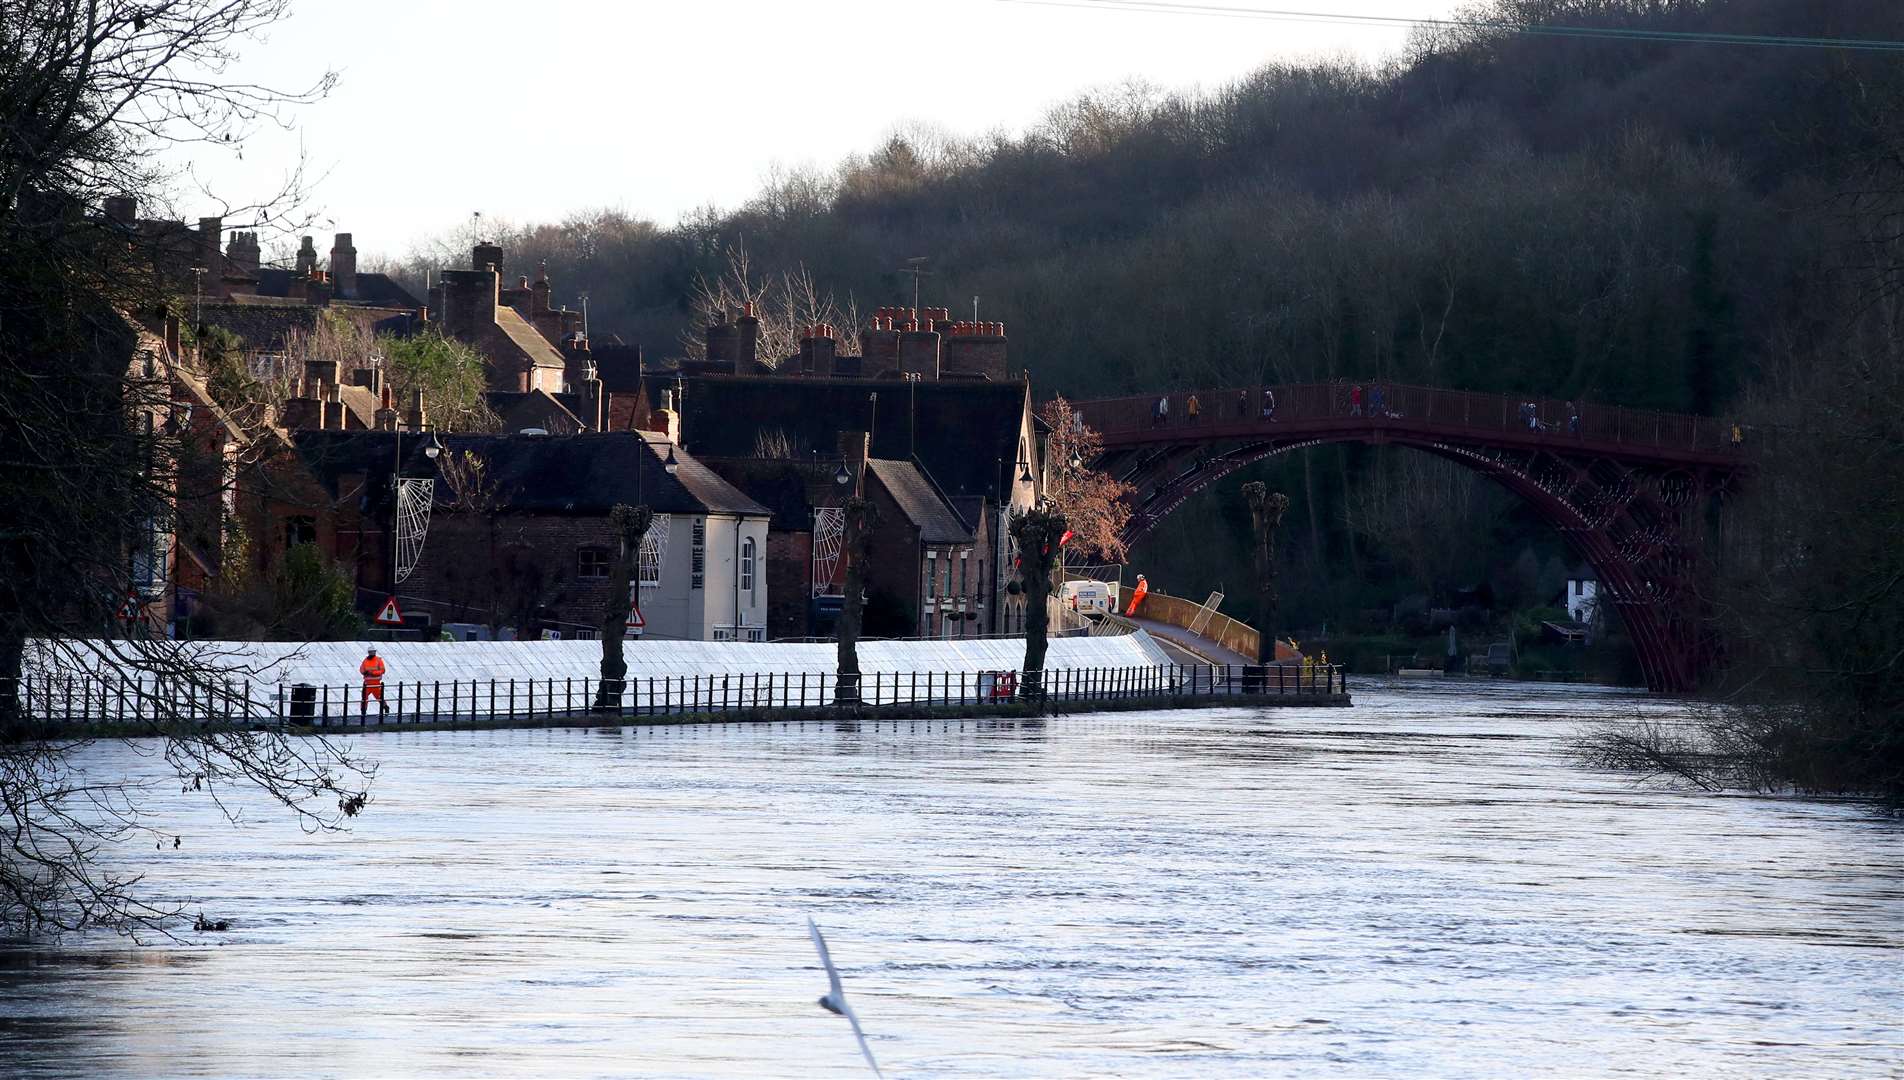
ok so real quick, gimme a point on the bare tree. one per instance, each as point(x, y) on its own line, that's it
point(787, 305)
point(93, 437)
point(1094, 503)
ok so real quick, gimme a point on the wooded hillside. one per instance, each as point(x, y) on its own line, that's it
point(1645, 222)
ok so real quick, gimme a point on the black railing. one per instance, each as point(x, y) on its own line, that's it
point(131, 702)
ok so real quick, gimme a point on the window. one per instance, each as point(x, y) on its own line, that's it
point(300, 530)
point(591, 563)
point(747, 568)
point(697, 567)
point(932, 574)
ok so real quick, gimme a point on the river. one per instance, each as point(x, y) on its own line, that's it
point(1422, 886)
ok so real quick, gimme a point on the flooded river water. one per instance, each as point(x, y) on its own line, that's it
point(1422, 886)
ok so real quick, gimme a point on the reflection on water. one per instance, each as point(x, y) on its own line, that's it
point(1421, 886)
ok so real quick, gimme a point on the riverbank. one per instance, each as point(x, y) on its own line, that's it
point(1000, 710)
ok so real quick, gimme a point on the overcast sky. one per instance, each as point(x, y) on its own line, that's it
point(529, 110)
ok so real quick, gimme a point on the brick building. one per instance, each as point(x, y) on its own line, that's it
point(929, 562)
point(528, 545)
point(974, 439)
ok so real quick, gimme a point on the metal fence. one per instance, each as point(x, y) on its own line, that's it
point(89, 700)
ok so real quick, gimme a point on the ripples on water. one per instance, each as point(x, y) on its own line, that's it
point(1422, 886)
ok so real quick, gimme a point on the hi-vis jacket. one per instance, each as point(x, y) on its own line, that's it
point(372, 670)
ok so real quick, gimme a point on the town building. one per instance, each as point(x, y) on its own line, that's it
point(929, 564)
point(973, 441)
point(519, 540)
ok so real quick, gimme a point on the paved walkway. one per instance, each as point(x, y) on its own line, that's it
point(1177, 640)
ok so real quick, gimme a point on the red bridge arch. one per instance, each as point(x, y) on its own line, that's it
point(1629, 489)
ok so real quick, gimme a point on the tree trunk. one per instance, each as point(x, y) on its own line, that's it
point(858, 513)
point(623, 579)
point(1266, 516)
point(12, 663)
point(1038, 533)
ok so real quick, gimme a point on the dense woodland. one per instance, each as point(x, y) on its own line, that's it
point(1660, 223)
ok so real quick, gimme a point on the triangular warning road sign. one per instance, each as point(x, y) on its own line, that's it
point(635, 620)
point(131, 609)
point(388, 615)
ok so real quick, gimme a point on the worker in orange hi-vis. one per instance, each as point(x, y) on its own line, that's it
point(372, 670)
point(1137, 595)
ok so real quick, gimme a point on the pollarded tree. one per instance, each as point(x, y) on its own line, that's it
point(1040, 534)
point(631, 526)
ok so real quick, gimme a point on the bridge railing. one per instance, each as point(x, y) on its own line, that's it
point(1392, 403)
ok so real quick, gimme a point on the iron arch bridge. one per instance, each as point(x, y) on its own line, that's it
point(1632, 491)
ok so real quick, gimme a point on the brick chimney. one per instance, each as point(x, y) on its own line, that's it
point(211, 234)
point(242, 253)
point(721, 341)
point(306, 257)
point(539, 292)
point(123, 209)
point(879, 342)
point(370, 378)
point(486, 256)
point(333, 405)
point(320, 375)
point(854, 447)
point(747, 341)
point(919, 353)
point(416, 419)
point(344, 267)
point(589, 391)
point(313, 288)
point(818, 349)
point(974, 350)
point(301, 412)
point(469, 302)
point(666, 421)
point(386, 415)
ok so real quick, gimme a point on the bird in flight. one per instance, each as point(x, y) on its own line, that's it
point(834, 1000)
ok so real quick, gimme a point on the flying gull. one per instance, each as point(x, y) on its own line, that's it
point(834, 1000)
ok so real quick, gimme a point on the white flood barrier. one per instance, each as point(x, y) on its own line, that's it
point(527, 678)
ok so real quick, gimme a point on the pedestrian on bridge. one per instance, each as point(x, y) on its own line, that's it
point(1192, 409)
point(1355, 400)
point(1269, 404)
point(1161, 414)
point(372, 670)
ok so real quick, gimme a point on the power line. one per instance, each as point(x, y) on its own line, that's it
point(1684, 37)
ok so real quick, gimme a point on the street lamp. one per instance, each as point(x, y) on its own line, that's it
point(841, 476)
point(672, 465)
point(198, 300)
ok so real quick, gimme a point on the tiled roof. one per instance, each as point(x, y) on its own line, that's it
point(921, 502)
point(534, 408)
point(546, 474)
point(965, 434)
point(375, 290)
point(526, 338)
point(265, 326)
